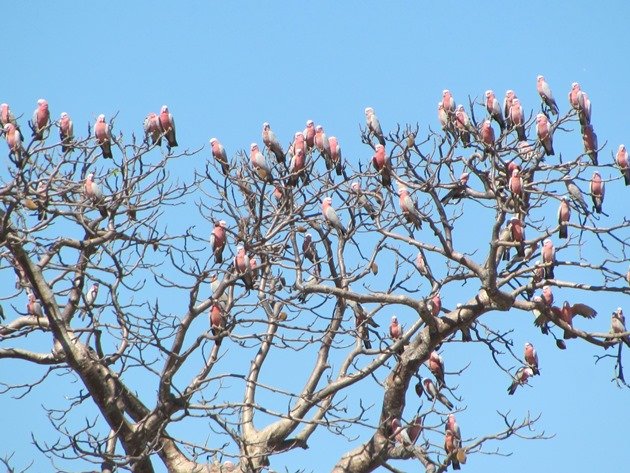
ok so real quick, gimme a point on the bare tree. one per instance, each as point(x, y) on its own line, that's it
point(117, 290)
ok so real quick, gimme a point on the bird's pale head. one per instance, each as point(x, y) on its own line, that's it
point(309, 123)
point(213, 141)
point(355, 186)
point(540, 78)
point(164, 109)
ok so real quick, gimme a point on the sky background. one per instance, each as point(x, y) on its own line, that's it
point(226, 67)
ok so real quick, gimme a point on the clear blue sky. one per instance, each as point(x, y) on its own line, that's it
point(226, 67)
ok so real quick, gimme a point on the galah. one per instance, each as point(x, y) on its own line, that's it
point(448, 102)
point(6, 116)
point(362, 200)
point(409, 208)
point(93, 192)
point(589, 139)
point(253, 266)
point(217, 322)
point(361, 321)
point(90, 296)
point(323, 146)
point(396, 428)
point(525, 150)
point(380, 160)
point(543, 131)
point(335, 154)
point(218, 238)
point(540, 318)
point(442, 116)
point(299, 142)
point(259, 163)
point(167, 122)
point(494, 109)
point(548, 258)
point(374, 126)
point(433, 393)
point(547, 296)
point(330, 215)
point(421, 264)
point(33, 307)
point(517, 118)
point(66, 132)
point(521, 377)
point(507, 105)
point(14, 141)
point(435, 363)
point(419, 388)
point(487, 134)
point(574, 96)
point(243, 267)
point(517, 233)
point(297, 168)
point(568, 311)
point(215, 282)
point(41, 120)
point(618, 325)
point(463, 124)
point(309, 135)
point(545, 94)
point(576, 194)
point(584, 111)
point(458, 190)
point(435, 305)
point(395, 330)
point(219, 154)
point(531, 357)
point(409, 435)
point(516, 183)
point(42, 199)
point(564, 214)
point(152, 129)
point(505, 235)
point(622, 161)
point(598, 190)
point(272, 143)
point(103, 136)
point(451, 446)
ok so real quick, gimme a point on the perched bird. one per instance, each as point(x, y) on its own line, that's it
point(395, 330)
point(589, 139)
point(41, 119)
point(487, 134)
point(517, 118)
point(547, 296)
point(66, 132)
point(90, 296)
point(361, 321)
point(435, 363)
point(259, 163)
point(14, 141)
point(409, 435)
point(362, 200)
point(272, 143)
point(310, 253)
point(525, 150)
point(167, 122)
point(309, 135)
point(299, 142)
point(548, 258)
point(335, 154)
point(42, 199)
point(568, 311)
point(435, 306)
point(323, 146)
point(330, 215)
point(103, 136)
point(576, 194)
point(433, 393)
point(516, 183)
point(409, 208)
point(618, 325)
point(531, 357)
point(6, 116)
point(93, 192)
point(458, 190)
point(521, 377)
point(621, 159)
point(507, 105)
point(421, 264)
point(517, 233)
point(598, 189)
point(218, 239)
point(215, 282)
point(564, 214)
point(574, 96)
point(217, 322)
point(380, 161)
point(451, 446)
point(452, 425)
point(442, 116)
point(545, 94)
point(463, 125)
point(374, 126)
point(540, 318)
point(297, 168)
point(543, 131)
point(219, 154)
point(152, 129)
point(33, 307)
point(584, 111)
point(243, 267)
point(494, 109)
point(448, 102)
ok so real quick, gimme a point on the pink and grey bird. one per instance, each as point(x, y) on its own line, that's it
point(409, 435)
point(217, 321)
point(243, 267)
point(433, 393)
point(152, 129)
point(362, 200)
point(448, 102)
point(380, 161)
point(574, 95)
point(167, 122)
point(272, 143)
point(545, 94)
point(91, 295)
point(93, 192)
point(517, 234)
point(507, 105)
point(621, 158)
point(531, 357)
point(442, 116)
point(517, 118)
point(589, 139)
point(259, 163)
point(14, 141)
point(310, 253)
point(494, 109)
point(33, 307)
point(487, 134)
point(309, 135)
point(103, 136)
point(516, 183)
point(66, 132)
point(41, 119)
point(543, 131)
point(323, 146)
point(219, 154)
point(331, 217)
point(297, 168)
point(458, 190)
point(409, 208)
point(6, 116)
point(576, 194)
point(463, 125)
point(299, 142)
point(618, 325)
point(548, 258)
point(421, 264)
point(521, 377)
point(451, 446)
point(435, 363)
point(547, 296)
point(395, 330)
point(218, 238)
point(568, 311)
point(598, 190)
point(374, 126)
point(435, 306)
point(584, 111)
point(564, 214)
point(335, 154)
